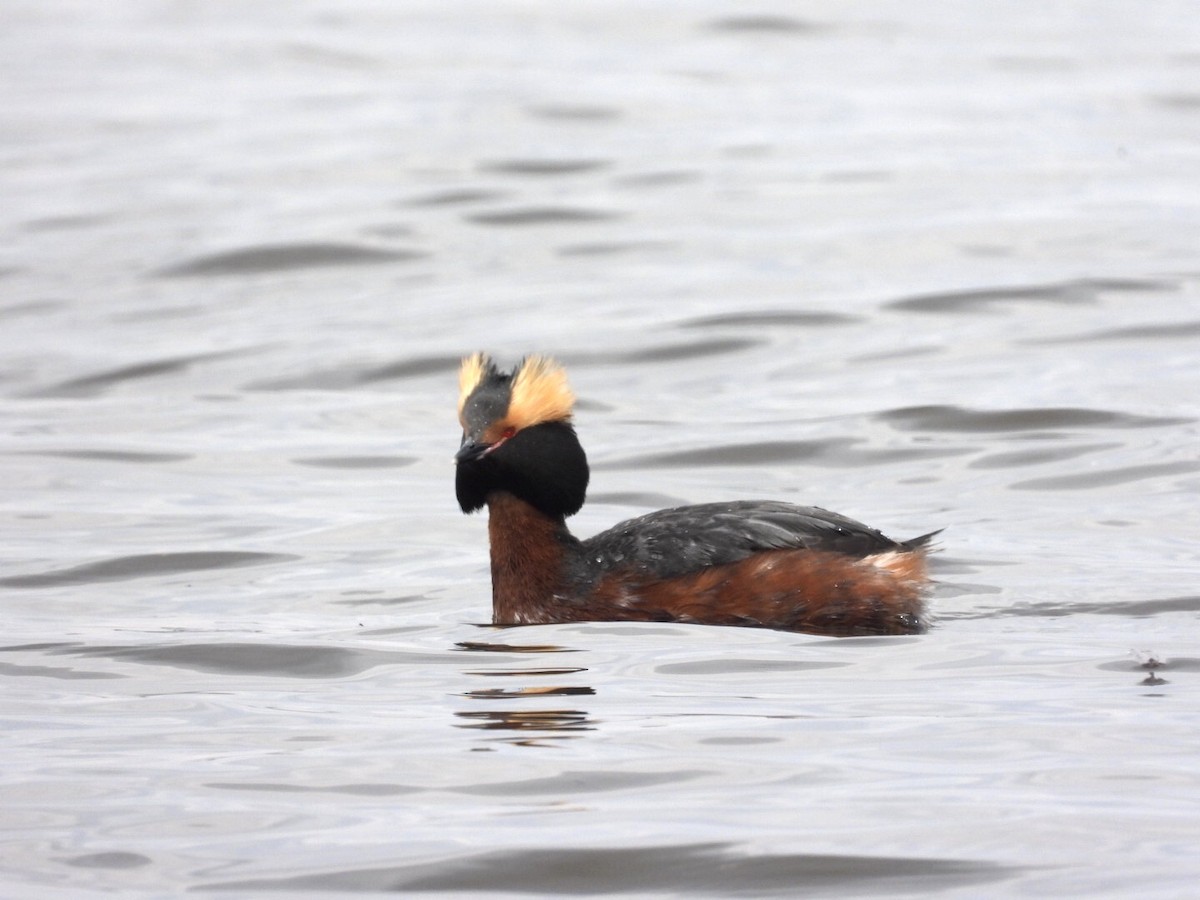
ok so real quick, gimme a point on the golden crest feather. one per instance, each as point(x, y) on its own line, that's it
point(540, 393)
point(473, 370)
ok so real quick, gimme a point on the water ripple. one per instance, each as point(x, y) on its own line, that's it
point(1167, 331)
point(356, 462)
point(612, 248)
point(835, 452)
point(667, 352)
point(666, 178)
point(92, 385)
point(707, 869)
point(542, 215)
point(458, 196)
point(354, 375)
point(63, 673)
point(113, 859)
point(1107, 477)
point(268, 258)
point(354, 790)
point(65, 223)
point(145, 565)
point(573, 781)
point(769, 318)
point(1037, 456)
point(957, 418)
point(543, 167)
point(739, 666)
point(646, 499)
point(246, 658)
point(1180, 102)
point(1081, 291)
point(576, 113)
point(1134, 609)
point(28, 307)
point(129, 456)
point(765, 24)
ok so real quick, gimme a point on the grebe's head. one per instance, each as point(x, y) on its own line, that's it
point(518, 437)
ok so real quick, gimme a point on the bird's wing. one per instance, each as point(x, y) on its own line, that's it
point(676, 541)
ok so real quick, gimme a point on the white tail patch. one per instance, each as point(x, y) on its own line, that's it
point(903, 565)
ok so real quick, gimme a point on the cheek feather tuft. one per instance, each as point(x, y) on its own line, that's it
point(540, 393)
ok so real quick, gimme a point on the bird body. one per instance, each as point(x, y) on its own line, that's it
point(752, 563)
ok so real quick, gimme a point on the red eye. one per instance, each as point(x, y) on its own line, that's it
point(508, 432)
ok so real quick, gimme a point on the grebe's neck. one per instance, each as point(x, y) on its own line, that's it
point(530, 552)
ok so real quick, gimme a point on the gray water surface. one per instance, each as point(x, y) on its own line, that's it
point(931, 266)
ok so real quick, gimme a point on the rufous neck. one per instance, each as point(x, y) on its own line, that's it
point(529, 559)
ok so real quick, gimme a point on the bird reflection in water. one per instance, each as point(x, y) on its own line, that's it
point(529, 723)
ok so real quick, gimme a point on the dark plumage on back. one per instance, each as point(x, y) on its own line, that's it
point(673, 542)
point(760, 563)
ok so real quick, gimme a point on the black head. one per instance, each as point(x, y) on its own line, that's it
point(518, 437)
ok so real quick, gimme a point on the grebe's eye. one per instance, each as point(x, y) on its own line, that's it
point(508, 432)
